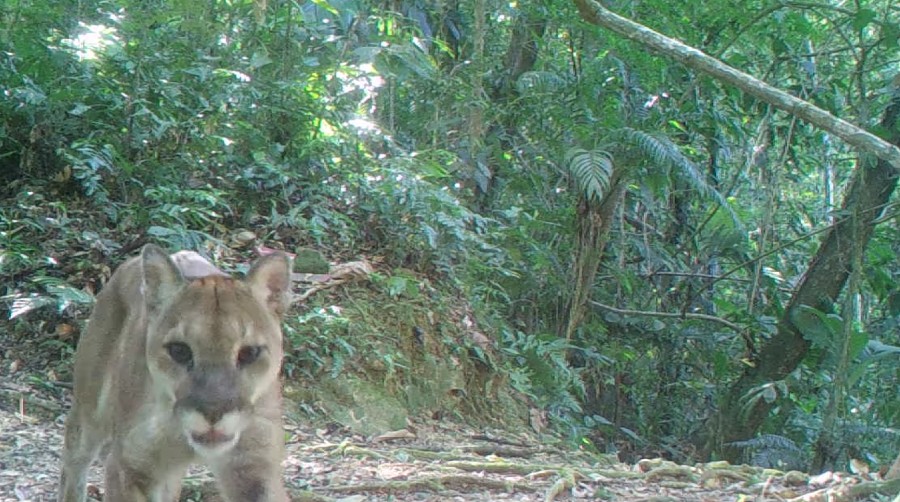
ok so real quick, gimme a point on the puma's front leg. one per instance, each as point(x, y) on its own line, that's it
point(125, 483)
point(148, 464)
point(251, 478)
point(252, 471)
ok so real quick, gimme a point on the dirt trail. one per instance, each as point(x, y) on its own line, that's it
point(428, 461)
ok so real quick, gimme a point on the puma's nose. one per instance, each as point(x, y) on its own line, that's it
point(213, 393)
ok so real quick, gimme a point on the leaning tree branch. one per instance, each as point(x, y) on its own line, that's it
point(675, 315)
point(594, 13)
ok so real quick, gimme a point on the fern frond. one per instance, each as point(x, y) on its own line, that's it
point(767, 441)
point(771, 450)
point(591, 171)
point(539, 82)
point(664, 152)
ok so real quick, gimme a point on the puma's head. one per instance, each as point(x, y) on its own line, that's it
point(214, 345)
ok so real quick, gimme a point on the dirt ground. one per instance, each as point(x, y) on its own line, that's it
point(429, 460)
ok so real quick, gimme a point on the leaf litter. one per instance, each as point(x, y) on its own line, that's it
point(430, 460)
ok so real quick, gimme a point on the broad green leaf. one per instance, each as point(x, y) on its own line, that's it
point(818, 327)
point(858, 341)
point(890, 33)
point(259, 59)
point(161, 231)
point(862, 18)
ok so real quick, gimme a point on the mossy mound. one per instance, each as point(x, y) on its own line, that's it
point(310, 261)
point(370, 356)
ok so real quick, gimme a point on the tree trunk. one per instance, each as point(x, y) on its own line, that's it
point(593, 221)
point(871, 188)
point(521, 56)
point(522, 52)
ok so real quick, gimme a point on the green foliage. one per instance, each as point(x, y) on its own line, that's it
point(89, 166)
point(320, 342)
point(826, 331)
point(541, 370)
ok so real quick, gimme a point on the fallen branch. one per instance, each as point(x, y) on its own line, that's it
point(433, 484)
point(421, 454)
point(349, 450)
point(22, 395)
point(499, 440)
point(485, 450)
point(565, 482)
point(496, 467)
point(534, 471)
point(500, 451)
point(854, 492)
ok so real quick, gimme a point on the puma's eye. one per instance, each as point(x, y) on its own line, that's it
point(181, 353)
point(248, 354)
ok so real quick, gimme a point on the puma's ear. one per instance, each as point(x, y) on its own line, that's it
point(160, 278)
point(270, 280)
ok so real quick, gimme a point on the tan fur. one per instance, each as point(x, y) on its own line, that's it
point(156, 411)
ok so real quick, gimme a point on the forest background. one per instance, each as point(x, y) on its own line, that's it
point(658, 259)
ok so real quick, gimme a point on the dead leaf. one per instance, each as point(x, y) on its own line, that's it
point(64, 331)
point(299, 277)
point(395, 471)
point(351, 270)
point(243, 238)
point(480, 339)
point(456, 392)
point(537, 419)
point(859, 467)
point(94, 492)
point(394, 435)
point(822, 479)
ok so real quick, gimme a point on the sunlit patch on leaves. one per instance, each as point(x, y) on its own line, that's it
point(59, 294)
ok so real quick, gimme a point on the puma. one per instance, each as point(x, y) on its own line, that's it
point(178, 365)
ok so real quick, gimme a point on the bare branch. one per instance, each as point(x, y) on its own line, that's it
point(671, 315)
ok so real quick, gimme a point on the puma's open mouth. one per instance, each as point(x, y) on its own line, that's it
point(211, 438)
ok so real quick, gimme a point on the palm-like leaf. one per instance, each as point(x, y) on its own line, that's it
point(663, 152)
point(591, 170)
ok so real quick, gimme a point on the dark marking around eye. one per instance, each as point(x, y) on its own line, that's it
point(248, 355)
point(180, 352)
